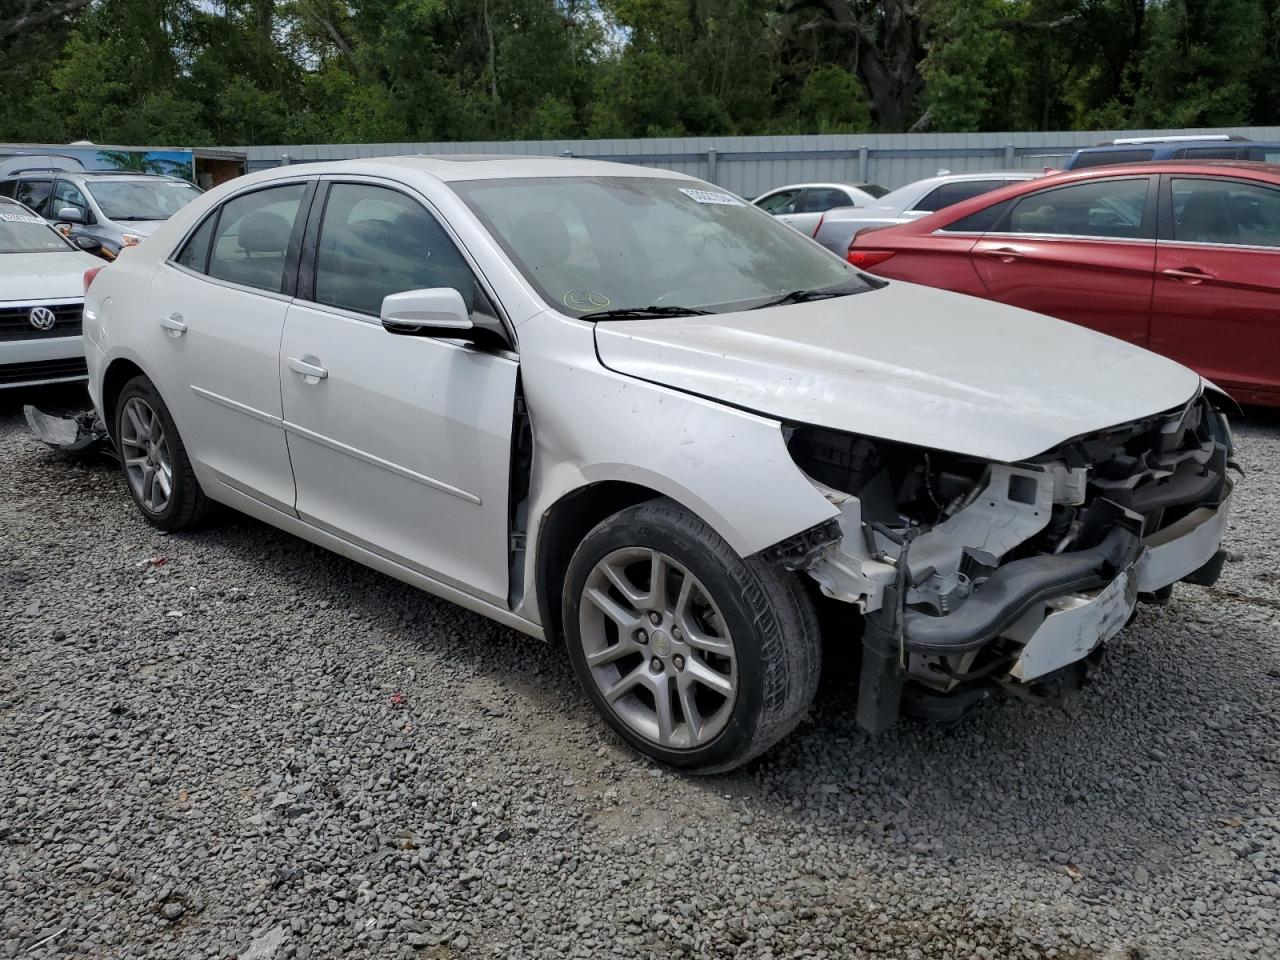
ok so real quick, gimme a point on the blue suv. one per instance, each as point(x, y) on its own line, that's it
point(1206, 147)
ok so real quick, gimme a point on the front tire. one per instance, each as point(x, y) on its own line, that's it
point(154, 461)
point(697, 657)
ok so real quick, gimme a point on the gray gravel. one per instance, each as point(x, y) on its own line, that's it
point(233, 744)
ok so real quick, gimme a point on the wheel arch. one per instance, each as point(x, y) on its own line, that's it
point(563, 526)
point(119, 372)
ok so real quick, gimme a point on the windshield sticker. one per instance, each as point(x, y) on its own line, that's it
point(19, 218)
point(712, 196)
point(583, 300)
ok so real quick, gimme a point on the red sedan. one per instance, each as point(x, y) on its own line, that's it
point(1181, 258)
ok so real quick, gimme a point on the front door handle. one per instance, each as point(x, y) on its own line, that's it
point(1004, 254)
point(174, 324)
point(310, 371)
point(1188, 275)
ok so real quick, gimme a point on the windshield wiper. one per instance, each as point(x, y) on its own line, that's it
point(805, 296)
point(641, 313)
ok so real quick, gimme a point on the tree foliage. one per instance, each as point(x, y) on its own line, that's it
point(264, 71)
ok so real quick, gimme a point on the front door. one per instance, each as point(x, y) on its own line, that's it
point(1217, 295)
point(399, 444)
point(1082, 253)
point(217, 311)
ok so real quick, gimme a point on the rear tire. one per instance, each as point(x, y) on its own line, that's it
point(154, 461)
point(731, 643)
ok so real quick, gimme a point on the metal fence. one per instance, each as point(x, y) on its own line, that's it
point(751, 165)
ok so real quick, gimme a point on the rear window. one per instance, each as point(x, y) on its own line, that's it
point(950, 193)
point(874, 189)
point(1102, 158)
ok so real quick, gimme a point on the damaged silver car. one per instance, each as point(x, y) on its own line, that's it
point(624, 411)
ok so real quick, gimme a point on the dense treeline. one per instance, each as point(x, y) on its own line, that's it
point(273, 71)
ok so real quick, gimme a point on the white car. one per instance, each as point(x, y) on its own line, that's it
point(621, 409)
point(41, 296)
point(839, 225)
point(801, 205)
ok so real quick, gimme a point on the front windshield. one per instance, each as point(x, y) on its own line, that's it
point(141, 199)
point(590, 244)
point(23, 233)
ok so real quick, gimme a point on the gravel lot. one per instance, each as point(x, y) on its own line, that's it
point(234, 744)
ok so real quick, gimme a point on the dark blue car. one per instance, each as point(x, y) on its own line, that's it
point(1207, 147)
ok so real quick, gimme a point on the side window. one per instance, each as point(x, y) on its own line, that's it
point(7, 188)
point(1208, 153)
point(1106, 208)
point(35, 194)
point(782, 202)
point(67, 194)
point(980, 221)
point(195, 252)
point(944, 196)
point(820, 200)
point(1226, 211)
point(1106, 157)
point(252, 237)
point(375, 241)
point(1260, 154)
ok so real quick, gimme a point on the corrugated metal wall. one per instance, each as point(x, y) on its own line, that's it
point(751, 165)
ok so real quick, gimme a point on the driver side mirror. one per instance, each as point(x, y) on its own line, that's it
point(87, 244)
point(71, 215)
point(435, 312)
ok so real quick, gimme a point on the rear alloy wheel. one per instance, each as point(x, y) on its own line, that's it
point(144, 452)
point(697, 657)
point(154, 460)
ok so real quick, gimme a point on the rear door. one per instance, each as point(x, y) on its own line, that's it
point(813, 204)
point(1082, 252)
point(216, 314)
point(1217, 289)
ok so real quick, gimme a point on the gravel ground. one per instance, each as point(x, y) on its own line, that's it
point(234, 744)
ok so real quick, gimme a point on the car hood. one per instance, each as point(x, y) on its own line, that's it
point(44, 276)
point(910, 364)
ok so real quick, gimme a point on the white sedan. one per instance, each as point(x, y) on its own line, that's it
point(620, 409)
point(41, 295)
point(801, 205)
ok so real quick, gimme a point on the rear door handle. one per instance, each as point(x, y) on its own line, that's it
point(173, 323)
point(1189, 275)
point(1004, 254)
point(298, 365)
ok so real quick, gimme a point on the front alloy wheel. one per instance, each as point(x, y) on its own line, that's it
point(697, 657)
point(658, 648)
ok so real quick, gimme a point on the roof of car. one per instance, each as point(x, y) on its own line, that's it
point(457, 167)
point(1207, 167)
point(95, 174)
point(823, 185)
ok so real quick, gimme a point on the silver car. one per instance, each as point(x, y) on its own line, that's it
point(622, 410)
point(839, 226)
point(116, 208)
point(801, 205)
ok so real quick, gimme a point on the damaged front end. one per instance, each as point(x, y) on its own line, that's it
point(975, 575)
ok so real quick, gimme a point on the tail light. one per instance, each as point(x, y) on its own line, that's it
point(819, 226)
point(868, 258)
point(89, 275)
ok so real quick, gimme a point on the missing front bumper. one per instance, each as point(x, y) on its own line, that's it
point(1047, 613)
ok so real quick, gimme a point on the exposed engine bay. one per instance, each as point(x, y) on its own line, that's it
point(971, 571)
